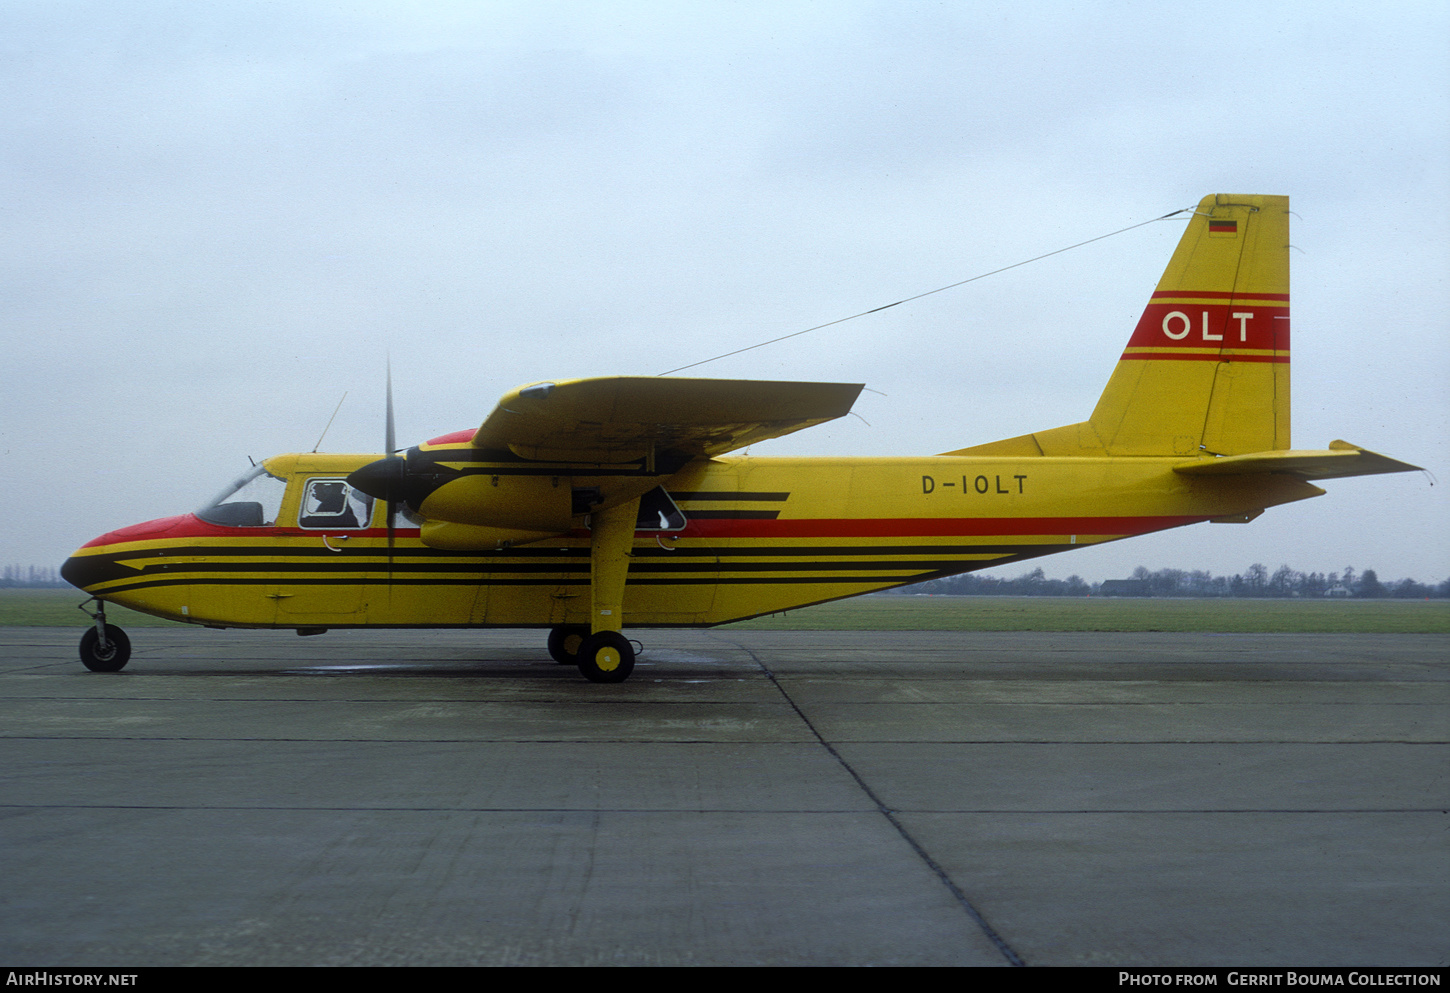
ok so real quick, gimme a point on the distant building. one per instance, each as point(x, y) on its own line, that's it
point(1338, 589)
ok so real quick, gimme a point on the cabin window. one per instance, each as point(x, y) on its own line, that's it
point(252, 500)
point(658, 512)
point(332, 504)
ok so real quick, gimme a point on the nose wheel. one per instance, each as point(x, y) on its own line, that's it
point(104, 647)
point(110, 656)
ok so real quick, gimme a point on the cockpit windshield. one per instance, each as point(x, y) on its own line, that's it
point(252, 500)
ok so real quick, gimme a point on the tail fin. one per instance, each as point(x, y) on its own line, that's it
point(1207, 368)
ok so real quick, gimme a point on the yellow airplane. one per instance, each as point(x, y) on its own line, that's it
point(595, 505)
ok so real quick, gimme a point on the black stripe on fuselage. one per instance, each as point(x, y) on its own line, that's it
point(728, 496)
point(92, 570)
point(293, 571)
point(732, 515)
point(542, 574)
point(274, 552)
point(101, 569)
point(381, 581)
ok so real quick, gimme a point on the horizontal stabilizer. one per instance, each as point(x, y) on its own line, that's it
point(1339, 460)
point(628, 417)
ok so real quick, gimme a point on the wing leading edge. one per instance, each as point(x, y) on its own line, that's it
point(621, 418)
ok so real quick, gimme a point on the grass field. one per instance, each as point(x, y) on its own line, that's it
point(57, 608)
point(947, 613)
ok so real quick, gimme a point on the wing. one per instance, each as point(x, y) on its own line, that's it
point(1340, 460)
point(629, 417)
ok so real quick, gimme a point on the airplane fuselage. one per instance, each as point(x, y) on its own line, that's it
point(761, 535)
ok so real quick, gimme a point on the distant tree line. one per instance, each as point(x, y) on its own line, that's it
point(40, 577)
point(1256, 581)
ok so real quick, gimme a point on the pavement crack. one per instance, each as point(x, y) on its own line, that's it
point(963, 901)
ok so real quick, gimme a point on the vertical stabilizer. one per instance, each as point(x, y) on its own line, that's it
point(1207, 368)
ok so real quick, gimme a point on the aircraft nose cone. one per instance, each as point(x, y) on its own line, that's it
point(88, 571)
point(95, 561)
point(74, 571)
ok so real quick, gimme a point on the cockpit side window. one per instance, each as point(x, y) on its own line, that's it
point(332, 504)
point(252, 500)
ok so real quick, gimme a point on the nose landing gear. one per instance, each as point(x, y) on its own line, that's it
point(104, 647)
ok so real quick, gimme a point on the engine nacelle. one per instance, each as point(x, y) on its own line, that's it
point(543, 504)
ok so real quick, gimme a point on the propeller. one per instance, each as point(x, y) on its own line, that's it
point(394, 480)
point(389, 441)
point(385, 479)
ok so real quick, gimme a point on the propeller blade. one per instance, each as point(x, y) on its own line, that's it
point(389, 442)
point(390, 445)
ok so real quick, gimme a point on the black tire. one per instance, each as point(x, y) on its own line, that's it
point(565, 642)
point(115, 655)
point(606, 657)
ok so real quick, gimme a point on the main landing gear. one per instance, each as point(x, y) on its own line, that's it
point(604, 657)
point(601, 652)
point(104, 647)
point(565, 642)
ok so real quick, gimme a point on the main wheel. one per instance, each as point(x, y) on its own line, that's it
point(565, 642)
point(606, 657)
point(113, 657)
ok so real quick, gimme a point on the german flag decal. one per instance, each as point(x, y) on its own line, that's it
point(1229, 227)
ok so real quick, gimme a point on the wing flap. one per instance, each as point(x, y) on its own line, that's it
point(619, 419)
point(1341, 459)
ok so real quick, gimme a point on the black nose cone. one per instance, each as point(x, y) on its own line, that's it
point(85, 571)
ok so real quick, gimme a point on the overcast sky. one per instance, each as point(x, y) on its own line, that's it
point(219, 218)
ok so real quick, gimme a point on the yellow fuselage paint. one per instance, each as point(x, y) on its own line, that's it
point(764, 535)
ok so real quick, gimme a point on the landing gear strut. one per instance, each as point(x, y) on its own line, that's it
point(603, 654)
point(104, 647)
